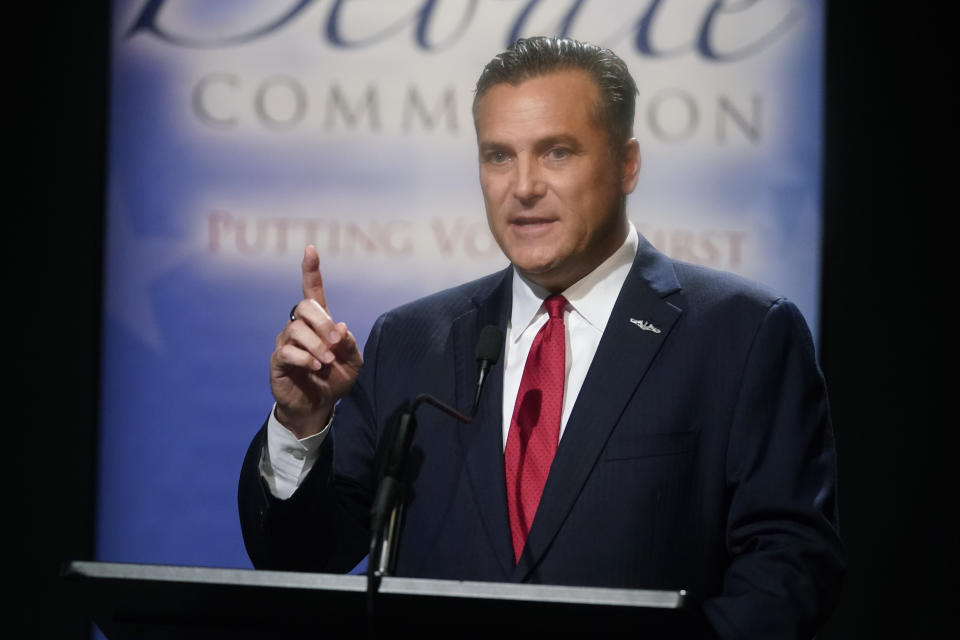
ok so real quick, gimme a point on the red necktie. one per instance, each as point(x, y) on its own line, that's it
point(535, 427)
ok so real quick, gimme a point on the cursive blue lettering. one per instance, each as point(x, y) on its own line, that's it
point(149, 20)
point(420, 18)
point(644, 41)
point(563, 26)
point(427, 13)
point(336, 37)
point(705, 43)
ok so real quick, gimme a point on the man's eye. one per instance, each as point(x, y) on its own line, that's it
point(558, 153)
point(497, 157)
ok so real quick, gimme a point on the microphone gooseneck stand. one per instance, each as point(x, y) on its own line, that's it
point(386, 511)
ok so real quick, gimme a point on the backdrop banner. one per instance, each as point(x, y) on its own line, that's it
point(241, 131)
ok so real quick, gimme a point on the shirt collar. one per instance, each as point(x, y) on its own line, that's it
point(593, 296)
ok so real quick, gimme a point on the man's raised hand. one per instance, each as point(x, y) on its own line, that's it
point(315, 361)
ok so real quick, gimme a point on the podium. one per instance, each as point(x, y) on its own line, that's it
point(154, 601)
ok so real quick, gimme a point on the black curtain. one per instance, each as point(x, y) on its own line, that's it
point(886, 351)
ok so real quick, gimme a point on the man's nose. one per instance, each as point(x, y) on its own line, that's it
point(529, 183)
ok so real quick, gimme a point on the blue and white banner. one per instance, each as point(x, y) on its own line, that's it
point(242, 130)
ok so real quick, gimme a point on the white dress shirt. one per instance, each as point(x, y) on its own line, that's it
point(591, 301)
point(286, 461)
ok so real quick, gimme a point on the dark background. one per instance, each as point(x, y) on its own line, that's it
point(886, 349)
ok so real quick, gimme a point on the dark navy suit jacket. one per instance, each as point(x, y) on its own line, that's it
point(699, 456)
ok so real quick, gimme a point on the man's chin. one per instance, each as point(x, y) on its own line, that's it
point(533, 268)
point(548, 276)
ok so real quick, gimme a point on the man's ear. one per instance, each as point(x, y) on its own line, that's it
point(630, 165)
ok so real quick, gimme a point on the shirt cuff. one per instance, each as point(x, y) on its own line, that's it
point(285, 461)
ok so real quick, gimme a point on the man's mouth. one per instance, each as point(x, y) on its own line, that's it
point(531, 221)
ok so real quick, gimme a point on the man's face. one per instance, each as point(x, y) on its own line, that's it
point(552, 186)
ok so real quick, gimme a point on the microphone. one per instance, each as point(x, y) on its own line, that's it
point(386, 510)
point(388, 493)
point(488, 350)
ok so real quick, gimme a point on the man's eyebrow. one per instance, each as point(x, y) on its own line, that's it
point(492, 145)
point(554, 140)
point(542, 143)
point(560, 138)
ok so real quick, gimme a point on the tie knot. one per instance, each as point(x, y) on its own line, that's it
point(555, 306)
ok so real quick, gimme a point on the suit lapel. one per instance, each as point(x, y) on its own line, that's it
point(622, 358)
point(482, 441)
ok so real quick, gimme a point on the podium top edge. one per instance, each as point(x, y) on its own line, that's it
point(646, 598)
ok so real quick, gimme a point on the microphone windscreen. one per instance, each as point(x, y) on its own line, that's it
point(489, 344)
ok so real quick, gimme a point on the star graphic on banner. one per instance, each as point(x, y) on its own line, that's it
point(134, 262)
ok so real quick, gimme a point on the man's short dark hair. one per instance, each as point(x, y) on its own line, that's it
point(533, 57)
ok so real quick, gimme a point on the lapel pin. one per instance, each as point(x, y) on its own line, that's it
point(646, 326)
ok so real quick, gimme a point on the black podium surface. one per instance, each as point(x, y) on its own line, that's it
point(155, 601)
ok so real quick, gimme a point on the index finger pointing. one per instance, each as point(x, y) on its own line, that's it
point(312, 280)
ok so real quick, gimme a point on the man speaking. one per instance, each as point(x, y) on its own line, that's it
point(650, 424)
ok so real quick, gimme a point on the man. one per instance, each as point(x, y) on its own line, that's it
point(652, 424)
